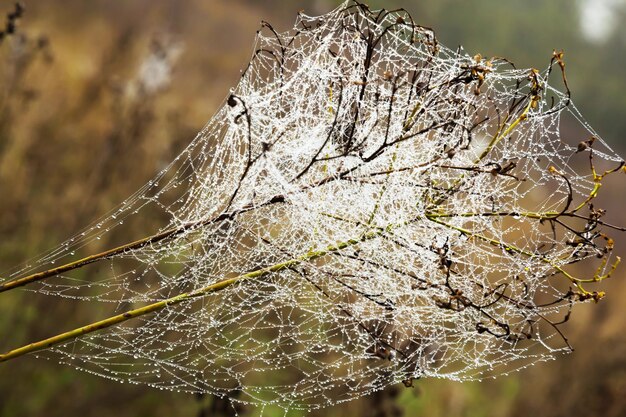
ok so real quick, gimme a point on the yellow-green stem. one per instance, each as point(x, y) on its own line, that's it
point(113, 320)
point(20, 282)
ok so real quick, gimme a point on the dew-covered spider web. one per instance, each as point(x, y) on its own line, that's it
point(368, 207)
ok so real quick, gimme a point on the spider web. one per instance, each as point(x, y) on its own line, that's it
point(405, 203)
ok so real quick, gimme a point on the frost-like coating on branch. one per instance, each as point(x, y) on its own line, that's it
point(411, 211)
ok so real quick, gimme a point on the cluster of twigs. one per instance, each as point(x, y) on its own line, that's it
point(432, 110)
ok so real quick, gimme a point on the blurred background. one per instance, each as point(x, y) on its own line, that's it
point(97, 96)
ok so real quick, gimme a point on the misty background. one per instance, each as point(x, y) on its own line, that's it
point(98, 96)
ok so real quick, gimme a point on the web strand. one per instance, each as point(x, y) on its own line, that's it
point(356, 123)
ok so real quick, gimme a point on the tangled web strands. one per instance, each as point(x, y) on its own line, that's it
point(407, 211)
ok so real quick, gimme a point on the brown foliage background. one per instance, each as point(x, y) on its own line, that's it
point(81, 128)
